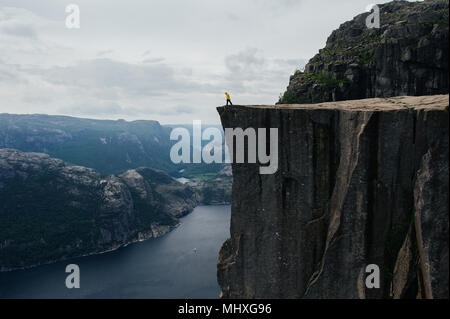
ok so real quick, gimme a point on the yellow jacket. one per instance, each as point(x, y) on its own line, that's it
point(227, 95)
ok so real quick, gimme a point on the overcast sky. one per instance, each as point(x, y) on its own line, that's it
point(166, 60)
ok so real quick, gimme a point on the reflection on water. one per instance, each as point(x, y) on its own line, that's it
point(181, 264)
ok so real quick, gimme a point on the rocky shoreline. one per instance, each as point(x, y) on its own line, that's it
point(154, 233)
point(53, 210)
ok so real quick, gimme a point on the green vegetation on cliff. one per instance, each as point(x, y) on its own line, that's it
point(407, 55)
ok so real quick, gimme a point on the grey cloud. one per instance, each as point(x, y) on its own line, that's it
point(232, 16)
point(246, 61)
point(278, 7)
point(7, 74)
point(189, 66)
point(280, 3)
point(97, 108)
point(292, 62)
point(18, 22)
point(153, 60)
point(250, 72)
point(19, 30)
point(104, 52)
point(176, 110)
point(140, 79)
point(105, 87)
point(184, 109)
point(11, 74)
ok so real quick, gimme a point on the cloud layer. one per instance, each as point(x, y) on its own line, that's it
point(170, 61)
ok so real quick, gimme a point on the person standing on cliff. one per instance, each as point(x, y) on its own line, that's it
point(228, 98)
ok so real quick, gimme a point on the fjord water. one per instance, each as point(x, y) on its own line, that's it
point(181, 264)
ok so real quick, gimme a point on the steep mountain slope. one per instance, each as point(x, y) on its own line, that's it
point(51, 210)
point(215, 190)
point(107, 146)
point(359, 182)
point(407, 55)
point(199, 170)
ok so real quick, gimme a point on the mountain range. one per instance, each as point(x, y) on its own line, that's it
point(72, 186)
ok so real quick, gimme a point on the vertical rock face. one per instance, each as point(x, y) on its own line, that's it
point(407, 55)
point(431, 219)
point(359, 182)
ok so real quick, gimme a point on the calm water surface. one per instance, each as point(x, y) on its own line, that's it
point(181, 264)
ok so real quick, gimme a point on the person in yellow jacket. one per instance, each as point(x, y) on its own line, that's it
point(228, 98)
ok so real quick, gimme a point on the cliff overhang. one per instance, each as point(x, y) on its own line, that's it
point(361, 182)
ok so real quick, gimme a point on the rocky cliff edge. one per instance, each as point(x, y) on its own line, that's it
point(359, 182)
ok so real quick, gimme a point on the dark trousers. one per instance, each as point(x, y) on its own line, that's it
point(228, 100)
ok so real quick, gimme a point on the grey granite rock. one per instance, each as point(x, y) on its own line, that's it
point(352, 175)
point(407, 55)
